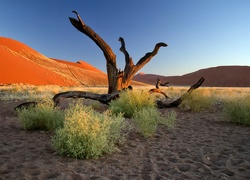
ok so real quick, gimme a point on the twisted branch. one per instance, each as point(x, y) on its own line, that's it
point(144, 60)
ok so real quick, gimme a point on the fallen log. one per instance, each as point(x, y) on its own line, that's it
point(103, 98)
point(106, 98)
point(178, 101)
point(26, 105)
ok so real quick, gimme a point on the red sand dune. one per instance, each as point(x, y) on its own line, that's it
point(22, 64)
point(80, 64)
point(221, 76)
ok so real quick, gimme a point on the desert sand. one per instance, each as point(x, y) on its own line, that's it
point(201, 146)
point(221, 76)
point(22, 64)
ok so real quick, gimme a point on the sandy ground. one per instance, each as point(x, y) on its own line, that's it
point(201, 146)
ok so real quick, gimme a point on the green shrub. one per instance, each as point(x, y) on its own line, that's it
point(238, 110)
point(89, 134)
point(44, 116)
point(168, 119)
point(146, 120)
point(198, 100)
point(130, 102)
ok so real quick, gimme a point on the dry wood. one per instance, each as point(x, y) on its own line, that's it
point(106, 98)
point(177, 102)
point(130, 69)
point(26, 105)
point(117, 79)
point(158, 84)
point(158, 91)
point(103, 98)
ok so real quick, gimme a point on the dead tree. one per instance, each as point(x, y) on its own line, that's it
point(125, 78)
point(106, 98)
point(117, 79)
point(158, 84)
point(157, 89)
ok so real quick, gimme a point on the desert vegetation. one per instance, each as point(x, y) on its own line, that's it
point(213, 133)
point(236, 109)
point(80, 131)
point(32, 92)
point(89, 134)
point(141, 107)
point(43, 116)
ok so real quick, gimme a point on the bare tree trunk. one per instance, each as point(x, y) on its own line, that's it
point(107, 51)
point(117, 81)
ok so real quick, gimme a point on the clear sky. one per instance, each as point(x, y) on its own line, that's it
point(199, 33)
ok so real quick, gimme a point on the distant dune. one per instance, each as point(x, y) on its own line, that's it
point(22, 64)
point(221, 76)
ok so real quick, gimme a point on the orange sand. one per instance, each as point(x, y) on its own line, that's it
point(22, 64)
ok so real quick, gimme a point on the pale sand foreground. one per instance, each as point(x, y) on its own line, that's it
point(201, 146)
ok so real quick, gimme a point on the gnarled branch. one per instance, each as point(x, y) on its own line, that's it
point(145, 59)
point(107, 51)
point(106, 98)
point(158, 84)
point(26, 105)
point(177, 102)
point(103, 98)
point(82, 27)
point(128, 59)
point(158, 91)
point(129, 70)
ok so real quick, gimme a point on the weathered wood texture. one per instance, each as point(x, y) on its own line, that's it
point(157, 89)
point(103, 98)
point(26, 105)
point(177, 102)
point(117, 79)
point(106, 98)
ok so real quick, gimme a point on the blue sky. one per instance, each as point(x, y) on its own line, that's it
point(199, 33)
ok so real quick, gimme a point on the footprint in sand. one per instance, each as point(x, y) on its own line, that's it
point(228, 172)
point(184, 167)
